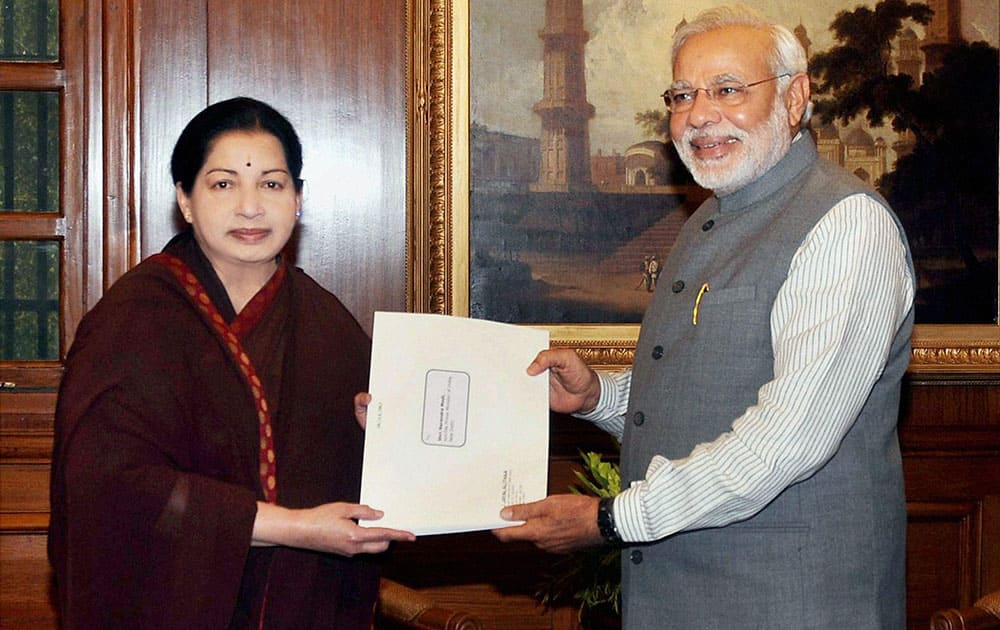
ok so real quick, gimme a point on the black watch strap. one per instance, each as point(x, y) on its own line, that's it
point(606, 520)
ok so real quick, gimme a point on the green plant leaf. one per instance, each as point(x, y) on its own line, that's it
point(589, 578)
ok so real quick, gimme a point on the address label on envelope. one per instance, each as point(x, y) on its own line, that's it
point(446, 408)
point(456, 427)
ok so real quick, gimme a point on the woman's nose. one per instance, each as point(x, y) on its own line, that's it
point(250, 203)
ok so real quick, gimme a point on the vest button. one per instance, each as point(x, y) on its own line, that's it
point(638, 418)
point(658, 352)
point(707, 225)
point(677, 286)
point(635, 556)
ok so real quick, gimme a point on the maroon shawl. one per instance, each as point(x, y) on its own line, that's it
point(155, 472)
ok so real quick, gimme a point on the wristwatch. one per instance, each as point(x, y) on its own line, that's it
point(606, 520)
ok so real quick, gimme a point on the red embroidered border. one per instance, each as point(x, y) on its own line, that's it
point(230, 335)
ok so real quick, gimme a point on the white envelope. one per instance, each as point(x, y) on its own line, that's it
point(456, 427)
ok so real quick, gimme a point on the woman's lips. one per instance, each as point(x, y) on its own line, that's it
point(250, 235)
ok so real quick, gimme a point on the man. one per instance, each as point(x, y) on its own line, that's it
point(654, 273)
point(758, 421)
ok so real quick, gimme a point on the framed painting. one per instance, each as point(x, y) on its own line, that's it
point(499, 212)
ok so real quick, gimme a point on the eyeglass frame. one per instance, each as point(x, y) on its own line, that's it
point(711, 92)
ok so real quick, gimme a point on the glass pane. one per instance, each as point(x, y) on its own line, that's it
point(29, 300)
point(29, 30)
point(29, 151)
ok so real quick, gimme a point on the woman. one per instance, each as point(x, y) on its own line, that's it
point(206, 466)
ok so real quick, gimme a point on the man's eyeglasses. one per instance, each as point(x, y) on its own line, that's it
point(725, 93)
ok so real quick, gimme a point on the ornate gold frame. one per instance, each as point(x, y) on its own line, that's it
point(438, 213)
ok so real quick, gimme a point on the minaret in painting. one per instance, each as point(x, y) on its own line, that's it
point(803, 37)
point(565, 112)
point(945, 28)
point(908, 56)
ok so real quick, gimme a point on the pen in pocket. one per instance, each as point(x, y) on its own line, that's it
point(697, 303)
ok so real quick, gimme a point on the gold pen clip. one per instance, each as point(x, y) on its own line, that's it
point(697, 303)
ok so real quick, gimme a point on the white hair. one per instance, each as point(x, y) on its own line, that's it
point(787, 55)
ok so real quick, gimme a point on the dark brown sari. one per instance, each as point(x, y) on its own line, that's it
point(156, 466)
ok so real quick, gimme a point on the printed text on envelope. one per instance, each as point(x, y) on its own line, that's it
point(446, 408)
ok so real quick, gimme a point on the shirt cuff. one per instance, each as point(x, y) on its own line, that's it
point(628, 510)
point(613, 398)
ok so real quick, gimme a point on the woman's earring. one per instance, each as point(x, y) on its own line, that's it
point(298, 213)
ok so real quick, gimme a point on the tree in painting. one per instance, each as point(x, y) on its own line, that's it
point(944, 186)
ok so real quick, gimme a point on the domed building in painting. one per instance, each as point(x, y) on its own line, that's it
point(856, 150)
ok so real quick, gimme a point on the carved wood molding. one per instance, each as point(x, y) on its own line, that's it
point(607, 352)
point(935, 348)
point(956, 348)
point(954, 357)
point(24, 523)
point(429, 155)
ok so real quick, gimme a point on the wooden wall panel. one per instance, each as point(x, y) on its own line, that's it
point(24, 488)
point(943, 556)
point(950, 436)
point(25, 576)
point(173, 87)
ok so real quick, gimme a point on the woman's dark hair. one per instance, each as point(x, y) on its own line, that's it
point(236, 114)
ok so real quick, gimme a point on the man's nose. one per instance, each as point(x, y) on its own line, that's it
point(704, 110)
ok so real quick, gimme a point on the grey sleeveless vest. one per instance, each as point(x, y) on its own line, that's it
point(828, 550)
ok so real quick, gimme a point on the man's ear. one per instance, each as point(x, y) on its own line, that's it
point(183, 202)
point(797, 98)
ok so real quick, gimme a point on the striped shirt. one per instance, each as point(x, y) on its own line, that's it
point(847, 292)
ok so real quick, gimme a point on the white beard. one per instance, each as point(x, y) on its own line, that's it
point(761, 148)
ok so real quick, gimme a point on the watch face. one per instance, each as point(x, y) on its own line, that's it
point(606, 520)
